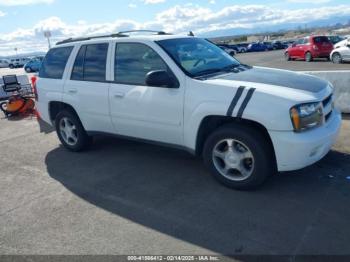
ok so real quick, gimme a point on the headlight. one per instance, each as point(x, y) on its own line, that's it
point(306, 116)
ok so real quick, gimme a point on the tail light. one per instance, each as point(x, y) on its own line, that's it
point(35, 90)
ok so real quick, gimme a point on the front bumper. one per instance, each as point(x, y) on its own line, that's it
point(298, 150)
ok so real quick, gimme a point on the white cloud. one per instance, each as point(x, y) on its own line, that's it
point(152, 2)
point(132, 5)
point(178, 19)
point(24, 2)
point(2, 14)
point(309, 1)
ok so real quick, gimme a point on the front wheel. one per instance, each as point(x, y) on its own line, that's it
point(287, 56)
point(28, 69)
point(239, 157)
point(71, 132)
point(336, 58)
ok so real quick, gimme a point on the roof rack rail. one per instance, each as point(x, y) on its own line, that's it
point(144, 31)
point(119, 34)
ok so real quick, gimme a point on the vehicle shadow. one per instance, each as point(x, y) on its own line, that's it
point(171, 192)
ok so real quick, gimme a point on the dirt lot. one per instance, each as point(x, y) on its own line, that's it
point(124, 197)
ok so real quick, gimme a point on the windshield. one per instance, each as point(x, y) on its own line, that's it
point(198, 57)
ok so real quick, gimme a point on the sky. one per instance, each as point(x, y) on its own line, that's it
point(23, 22)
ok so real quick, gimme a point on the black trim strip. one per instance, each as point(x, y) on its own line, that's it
point(235, 100)
point(245, 102)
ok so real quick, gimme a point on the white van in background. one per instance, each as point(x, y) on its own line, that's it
point(4, 63)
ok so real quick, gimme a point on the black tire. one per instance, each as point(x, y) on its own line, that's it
point(83, 140)
point(256, 142)
point(287, 56)
point(308, 57)
point(28, 70)
point(336, 58)
point(11, 66)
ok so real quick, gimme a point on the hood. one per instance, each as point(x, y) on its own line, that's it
point(278, 77)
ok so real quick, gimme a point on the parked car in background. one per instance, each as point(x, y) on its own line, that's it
point(242, 47)
point(335, 39)
point(269, 45)
point(342, 53)
point(4, 63)
point(33, 65)
point(277, 45)
point(308, 48)
point(257, 47)
point(18, 62)
point(341, 43)
point(230, 51)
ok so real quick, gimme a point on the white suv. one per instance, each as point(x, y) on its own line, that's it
point(246, 122)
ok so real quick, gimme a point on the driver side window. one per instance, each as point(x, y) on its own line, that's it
point(134, 61)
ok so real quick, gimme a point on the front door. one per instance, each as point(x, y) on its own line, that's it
point(138, 110)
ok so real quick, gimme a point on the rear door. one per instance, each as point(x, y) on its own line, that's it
point(323, 44)
point(87, 88)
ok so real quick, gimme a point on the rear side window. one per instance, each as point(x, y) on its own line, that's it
point(90, 63)
point(55, 62)
point(321, 39)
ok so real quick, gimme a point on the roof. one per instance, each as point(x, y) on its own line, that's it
point(155, 36)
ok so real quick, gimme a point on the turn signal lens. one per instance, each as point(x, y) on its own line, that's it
point(295, 118)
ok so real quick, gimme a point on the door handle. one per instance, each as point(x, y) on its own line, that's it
point(72, 91)
point(119, 95)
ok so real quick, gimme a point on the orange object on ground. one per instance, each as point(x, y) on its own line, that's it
point(28, 106)
point(14, 105)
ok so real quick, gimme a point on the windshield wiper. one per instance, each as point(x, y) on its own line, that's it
point(210, 71)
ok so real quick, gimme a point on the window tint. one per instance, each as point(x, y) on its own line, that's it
point(321, 39)
point(90, 63)
point(299, 41)
point(95, 62)
point(55, 62)
point(78, 68)
point(134, 61)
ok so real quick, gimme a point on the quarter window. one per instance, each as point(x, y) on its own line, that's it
point(55, 62)
point(134, 61)
point(90, 63)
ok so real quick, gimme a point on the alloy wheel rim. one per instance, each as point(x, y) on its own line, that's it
point(68, 131)
point(233, 159)
point(336, 58)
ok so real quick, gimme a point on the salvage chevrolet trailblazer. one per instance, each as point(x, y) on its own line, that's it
point(246, 122)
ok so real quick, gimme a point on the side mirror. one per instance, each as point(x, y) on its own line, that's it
point(160, 78)
point(294, 45)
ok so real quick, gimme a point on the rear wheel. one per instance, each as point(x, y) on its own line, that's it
point(239, 157)
point(71, 132)
point(308, 57)
point(336, 58)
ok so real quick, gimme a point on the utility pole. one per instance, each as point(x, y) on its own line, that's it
point(16, 49)
point(47, 34)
